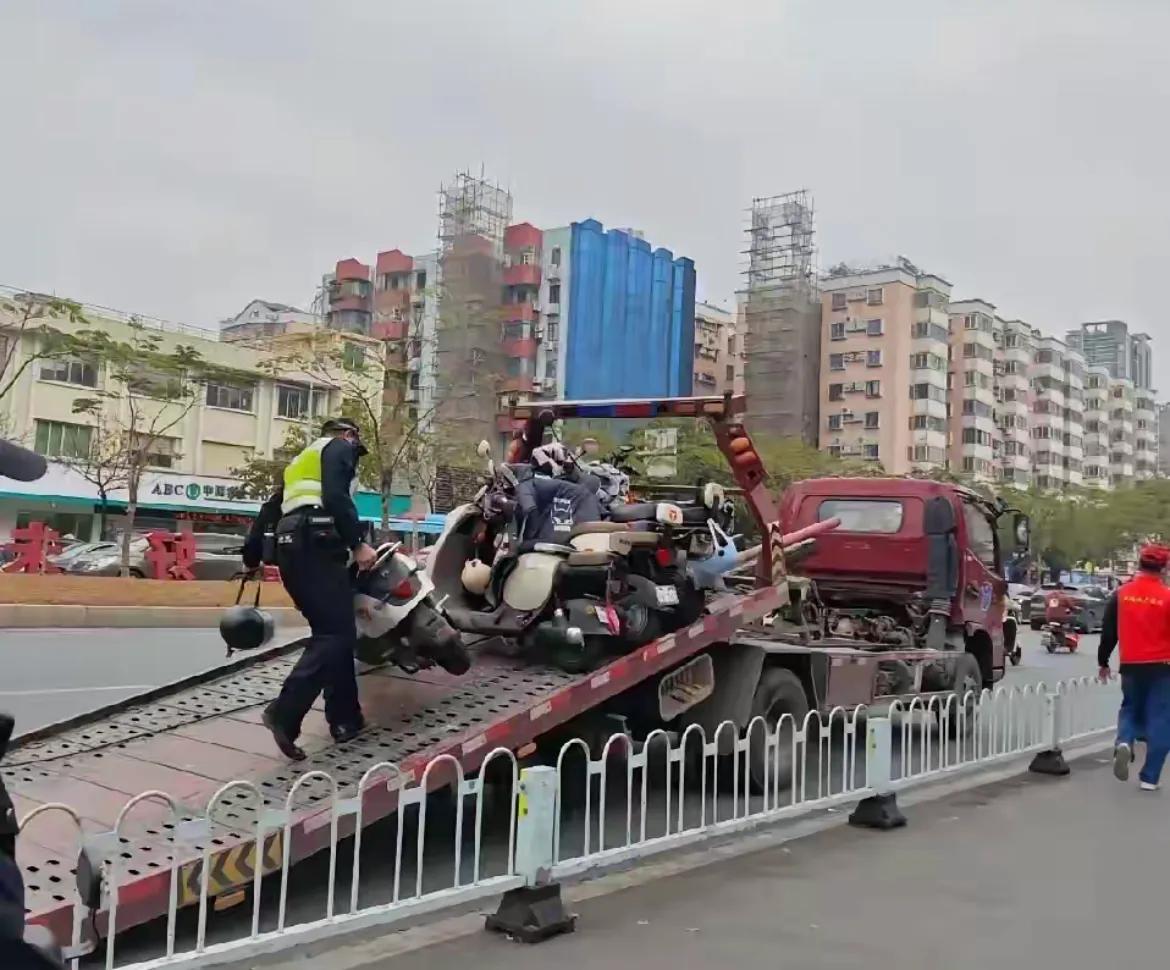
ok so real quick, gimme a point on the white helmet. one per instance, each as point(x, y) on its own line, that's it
point(475, 576)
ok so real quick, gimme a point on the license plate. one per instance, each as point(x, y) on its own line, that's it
point(667, 595)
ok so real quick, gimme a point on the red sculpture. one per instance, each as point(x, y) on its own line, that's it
point(33, 545)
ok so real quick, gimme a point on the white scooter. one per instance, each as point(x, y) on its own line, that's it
point(397, 621)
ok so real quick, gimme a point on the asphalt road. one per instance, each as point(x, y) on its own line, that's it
point(51, 675)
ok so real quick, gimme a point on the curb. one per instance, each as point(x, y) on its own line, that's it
point(52, 616)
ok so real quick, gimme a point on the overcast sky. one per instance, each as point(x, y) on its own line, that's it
point(178, 159)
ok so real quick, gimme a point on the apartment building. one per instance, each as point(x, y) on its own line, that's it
point(973, 351)
point(190, 477)
point(1163, 460)
point(1110, 344)
point(262, 318)
point(1058, 414)
point(1145, 424)
point(718, 351)
point(1015, 348)
point(884, 367)
point(511, 313)
point(1096, 441)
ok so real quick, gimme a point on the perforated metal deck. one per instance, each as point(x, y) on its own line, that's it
point(189, 743)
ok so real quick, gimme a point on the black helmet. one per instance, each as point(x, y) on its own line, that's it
point(245, 628)
point(339, 426)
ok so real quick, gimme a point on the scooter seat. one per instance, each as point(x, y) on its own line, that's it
point(596, 528)
point(589, 558)
point(634, 512)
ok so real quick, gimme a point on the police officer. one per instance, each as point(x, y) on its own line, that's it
point(1138, 615)
point(317, 531)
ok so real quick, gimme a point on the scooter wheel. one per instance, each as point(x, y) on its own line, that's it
point(1050, 647)
point(1015, 657)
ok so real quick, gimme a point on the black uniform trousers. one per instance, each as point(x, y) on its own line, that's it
point(313, 568)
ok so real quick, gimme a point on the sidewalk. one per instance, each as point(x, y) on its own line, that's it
point(1033, 872)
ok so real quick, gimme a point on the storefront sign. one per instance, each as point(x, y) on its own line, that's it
point(196, 491)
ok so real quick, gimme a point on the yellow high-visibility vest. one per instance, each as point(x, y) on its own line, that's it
point(302, 479)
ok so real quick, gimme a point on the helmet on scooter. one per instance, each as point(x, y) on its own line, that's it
point(245, 628)
point(475, 576)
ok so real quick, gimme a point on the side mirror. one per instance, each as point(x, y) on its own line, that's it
point(483, 449)
point(590, 446)
point(1021, 531)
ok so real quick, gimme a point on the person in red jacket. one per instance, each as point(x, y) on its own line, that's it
point(1138, 615)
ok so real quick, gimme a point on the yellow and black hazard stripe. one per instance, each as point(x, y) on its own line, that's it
point(232, 868)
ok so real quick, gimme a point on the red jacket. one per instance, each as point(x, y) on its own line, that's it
point(1143, 620)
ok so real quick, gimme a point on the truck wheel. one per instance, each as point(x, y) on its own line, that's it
point(779, 692)
point(967, 679)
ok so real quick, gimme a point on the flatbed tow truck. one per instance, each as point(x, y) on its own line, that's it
point(189, 738)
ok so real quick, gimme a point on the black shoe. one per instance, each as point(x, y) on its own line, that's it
point(287, 746)
point(347, 732)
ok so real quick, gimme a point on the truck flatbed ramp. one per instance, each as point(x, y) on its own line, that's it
point(190, 740)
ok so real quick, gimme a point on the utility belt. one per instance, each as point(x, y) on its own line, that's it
point(309, 528)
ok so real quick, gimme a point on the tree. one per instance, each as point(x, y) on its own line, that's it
point(147, 394)
point(260, 477)
point(23, 316)
point(104, 464)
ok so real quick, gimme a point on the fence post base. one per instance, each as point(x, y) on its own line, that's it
point(1050, 763)
point(532, 913)
point(878, 812)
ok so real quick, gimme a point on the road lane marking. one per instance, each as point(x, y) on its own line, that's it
point(71, 690)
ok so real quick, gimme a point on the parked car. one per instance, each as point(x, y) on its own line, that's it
point(1021, 594)
point(1084, 605)
point(217, 556)
point(77, 549)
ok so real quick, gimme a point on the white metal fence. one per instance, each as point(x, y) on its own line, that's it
point(479, 836)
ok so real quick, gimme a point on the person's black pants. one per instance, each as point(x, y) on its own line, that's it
point(314, 571)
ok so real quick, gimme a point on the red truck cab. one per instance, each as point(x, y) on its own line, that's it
point(913, 563)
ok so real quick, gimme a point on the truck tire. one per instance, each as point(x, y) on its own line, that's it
point(779, 692)
point(967, 678)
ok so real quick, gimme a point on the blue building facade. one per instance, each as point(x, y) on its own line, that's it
point(631, 321)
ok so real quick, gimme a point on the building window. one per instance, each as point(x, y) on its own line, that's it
point(294, 402)
point(232, 397)
point(57, 439)
point(873, 358)
point(730, 373)
point(873, 297)
point(835, 422)
point(555, 256)
point(69, 371)
point(415, 380)
point(420, 280)
point(554, 293)
point(871, 420)
point(873, 328)
point(873, 388)
point(837, 331)
point(836, 361)
point(552, 327)
point(839, 301)
point(836, 392)
point(869, 452)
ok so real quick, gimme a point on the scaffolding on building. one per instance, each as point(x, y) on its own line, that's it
point(782, 315)
point(473, 215)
